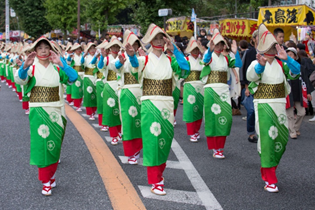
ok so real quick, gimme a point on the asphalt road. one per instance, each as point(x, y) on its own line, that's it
point(193, 178)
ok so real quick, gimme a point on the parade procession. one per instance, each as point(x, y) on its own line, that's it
point(185, 113)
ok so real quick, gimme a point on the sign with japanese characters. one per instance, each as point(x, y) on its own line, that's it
point(237, 27)
point(286, 16)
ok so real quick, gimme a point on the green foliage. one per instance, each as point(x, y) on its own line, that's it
point(146, 11)
point(61, 14)
point(31, 16)
point(100, 13)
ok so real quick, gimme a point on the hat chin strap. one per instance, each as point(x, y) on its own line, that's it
point(157, 47)
point(43, 57)
point(114, 52)
point(194, 55)
point(269, 54)
point(217, 51)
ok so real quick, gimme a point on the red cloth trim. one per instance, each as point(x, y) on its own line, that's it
point(90, 110)
point(77, 102)
point(216, 142)
point(153, 29)
point(133, 146)
point(100, 118)
point(25, 105)
point(107, 58)
point(113, 131)
point(129, 36)
point(227, 60)
point(33, 71)
point(155, 173)
point(269, 54)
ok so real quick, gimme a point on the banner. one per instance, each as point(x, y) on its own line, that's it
point(238, 28)
point(296, 15)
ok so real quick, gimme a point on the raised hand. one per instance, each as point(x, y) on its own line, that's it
point(261, 59)
point(121, 58)
point(29, 60)
point(211, 45)
point(55, 58)
point(282, 54)
point(129, 50)
point(104, 52)
point(169, 44)
point(141, 52)
point(18, 62)
point(234, 46)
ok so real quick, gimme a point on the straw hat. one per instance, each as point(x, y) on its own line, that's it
point(152, 31)
point(56, 47)
point(68, 47)
point(192, 44)
point(217, 38)
point(266, 39)
point(26, 47)
point(131, 38)
point(292, 49)
point(112, 42)
point(102, 45)
point(76, 46)
point(41, 39)
point(88, 46)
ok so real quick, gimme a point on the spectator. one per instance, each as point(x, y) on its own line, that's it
point(248, 57)
point(243, 44)
point(203, 33)
point(209, 37)
point(279, 34)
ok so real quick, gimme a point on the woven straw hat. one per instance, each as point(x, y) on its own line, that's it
point(217, 38)
point(88, 46)
point(192, 44)
point(68, 47)
point(266, 39)
point(76, 46)
point(112, 42)
point(26, 47)
point(45, 39)
point(102, 45)
point(152, 31)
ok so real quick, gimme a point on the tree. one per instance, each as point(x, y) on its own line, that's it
point(61, 14)
point(31, 16)
point(100, 13)
point(146, 11)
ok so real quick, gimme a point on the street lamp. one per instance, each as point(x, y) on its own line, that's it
point(163, 13)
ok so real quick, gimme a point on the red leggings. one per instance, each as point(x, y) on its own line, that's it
point(90, 110)
point(216, 142)
point(45, 174)
point(269, 175)
point(155, 173)
point(113, 131)
point(133, 146)
point(77, 102)
point(193, 127)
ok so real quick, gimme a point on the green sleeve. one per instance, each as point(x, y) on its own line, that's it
point(64, 79)
point(231, 61)
point(286, 71)
point(177, 70)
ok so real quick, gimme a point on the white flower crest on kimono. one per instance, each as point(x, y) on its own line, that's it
point(162, 143)
point(111, 102)
point(165, 113)
point(89, 89)
point(133, 111)
point(43, 131)
point(78, 83)
point(198, 89)
point(282, 119)
point(273, 132)
point(216, 109)
point(191, 99)
point(54, 117)
point(50, 145)
point(222, 120)
point(224, 97)
point(278, 147)
point(155, 128)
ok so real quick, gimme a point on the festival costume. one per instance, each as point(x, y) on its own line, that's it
point(111, 116)
point(89, 92)
point(217, 100)
point(269, 87)
point(130, 104)
point(77, 87)
point(47, 116)
point(157, 79)
point(193, 94)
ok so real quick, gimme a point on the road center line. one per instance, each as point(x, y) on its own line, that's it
point(204, 193)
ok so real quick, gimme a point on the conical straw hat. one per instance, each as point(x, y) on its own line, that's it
point(102, 45)
point(112, 42)
point(152, 31)
point(75, 46)
point(192, 44)
point(217, 38)
point(40, 39)
point(88, 46)
point(266, 39)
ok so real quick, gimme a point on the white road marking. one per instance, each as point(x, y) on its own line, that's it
point(169, 164)
point(178, 196)
point(96, 125)
point(205, 195)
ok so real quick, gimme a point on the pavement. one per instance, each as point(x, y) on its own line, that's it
point(193, 178)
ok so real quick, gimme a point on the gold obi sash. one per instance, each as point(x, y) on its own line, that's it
point(130, 79)
point(7, 61)
point(1, 59)
point(217, 77)
point(193, 76)
point(269, 91)
point(89, 71)
point(44, 94)
point(78, 68)
point(99, 75)
point(111, 75)
point(157, 87)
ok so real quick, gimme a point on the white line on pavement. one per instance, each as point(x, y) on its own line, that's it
point(172, 195)
point(169, 163)
point(205, 195)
